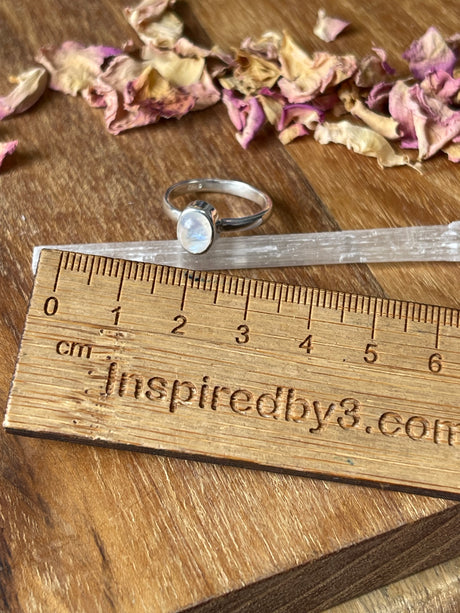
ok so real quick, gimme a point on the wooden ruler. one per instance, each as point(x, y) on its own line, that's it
point(217, 367)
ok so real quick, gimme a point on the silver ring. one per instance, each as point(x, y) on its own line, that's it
point(198, 224)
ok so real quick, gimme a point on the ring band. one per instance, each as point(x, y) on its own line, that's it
point(198, 224)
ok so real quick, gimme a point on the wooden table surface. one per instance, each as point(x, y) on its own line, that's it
point(91, 529)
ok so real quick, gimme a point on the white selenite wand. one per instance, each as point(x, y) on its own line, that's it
point(409, 244)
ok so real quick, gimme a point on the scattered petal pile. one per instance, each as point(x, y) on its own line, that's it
point(356, 102)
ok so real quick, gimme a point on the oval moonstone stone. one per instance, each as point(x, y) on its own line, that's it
point(195, 230)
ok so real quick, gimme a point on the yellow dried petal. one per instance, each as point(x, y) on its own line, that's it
point(361, 140)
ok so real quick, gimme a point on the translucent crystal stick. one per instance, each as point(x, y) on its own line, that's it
point(410, 244)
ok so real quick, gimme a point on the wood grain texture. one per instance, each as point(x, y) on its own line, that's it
point(95, 529)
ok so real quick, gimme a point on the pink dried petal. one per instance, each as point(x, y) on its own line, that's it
point(377, 100)
point(373, 69)
point(425, 121)
point(72, 66)
point(442, 85)
point(360, 140)
point(328, 28)
point(246, 115)
point(303, 114)
point(295, 130)
point(326, 102)
point(113, 80)
point(204, 92)
point(146, 100)
point(402, 108)
point(236, 108)
point(255, 119)
point(435, 123)
point(430, 53)
point(7, 149)
point(30, 87)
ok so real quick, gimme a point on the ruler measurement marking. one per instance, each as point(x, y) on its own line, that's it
point(58, 272)
point(216, 291)
point(90, 274)
point(120, 285)
point(278, 310)
point(152, 287)
point(309, 314)
point(374, 323)
point(98, 266)
point(184, 292)
point(246, 303)
point(438, 331)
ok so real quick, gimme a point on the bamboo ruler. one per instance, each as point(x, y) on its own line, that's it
point(217, 367)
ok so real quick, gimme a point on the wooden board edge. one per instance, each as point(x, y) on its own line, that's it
point(338, 577)
point(194, 457)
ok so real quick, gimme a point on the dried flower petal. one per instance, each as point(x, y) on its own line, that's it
point(425, 121)
point(294, 131)
point(377, 99)
point(453, 152)
point(328, 28)
point(442, 85)
point(430, 53)
point(304, 77)
point(141, 92)
point(402, 108)
point(304, 114)
point(246, 115)
point(148, 10)
point(72, 66)
point(360, 140)
point(30, 87)
point(251, 74)
point(178, 71)
point(154, 24)
point(373, 69)
point(7, 149)
point(204, 92)
point(382, 124)
point(266, 47)
point(272, 104)
point(435, 123)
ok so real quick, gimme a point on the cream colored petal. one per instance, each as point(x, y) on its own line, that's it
point(294, 60)
point(361, 140)
point(251, 74)
point(453, 152)
point(386, 126)
point(272, 108)
point(179, 71)
point(30, 86)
